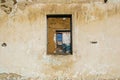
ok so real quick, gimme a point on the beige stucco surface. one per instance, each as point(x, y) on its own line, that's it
point(24, 31)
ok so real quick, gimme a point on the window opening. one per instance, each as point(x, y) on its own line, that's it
point(59, 35)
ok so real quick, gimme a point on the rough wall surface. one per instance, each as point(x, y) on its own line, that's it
point(23, 42)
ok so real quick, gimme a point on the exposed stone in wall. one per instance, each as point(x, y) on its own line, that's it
point(9, 76)
point(7, 5)
point(14, 76)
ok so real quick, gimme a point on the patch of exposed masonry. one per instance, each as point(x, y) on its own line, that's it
point(14, 76)
point(8, 5)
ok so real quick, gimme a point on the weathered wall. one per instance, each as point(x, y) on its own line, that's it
point(25, 33)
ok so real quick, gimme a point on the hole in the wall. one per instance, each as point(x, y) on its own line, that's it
point(93, 42)
point(4, 45)
point(105, 1)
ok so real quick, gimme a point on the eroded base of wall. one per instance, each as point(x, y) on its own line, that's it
point(14, 76)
